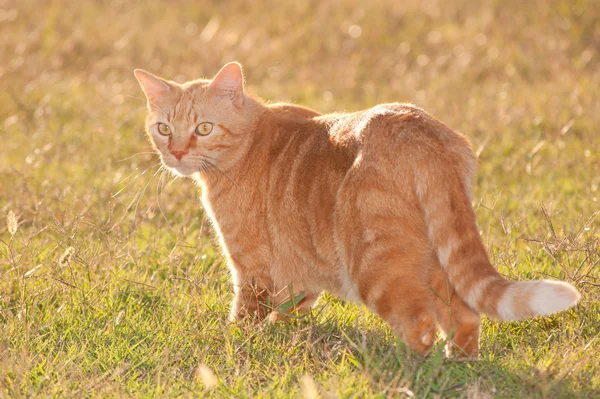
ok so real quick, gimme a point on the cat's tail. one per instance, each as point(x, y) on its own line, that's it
point(443, 187)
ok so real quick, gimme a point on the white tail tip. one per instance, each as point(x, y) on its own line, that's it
point(536, 298)
point(553, 296)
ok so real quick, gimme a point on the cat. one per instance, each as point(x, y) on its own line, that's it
point(371, 206)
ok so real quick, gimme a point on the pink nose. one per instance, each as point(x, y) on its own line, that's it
point(179, 154)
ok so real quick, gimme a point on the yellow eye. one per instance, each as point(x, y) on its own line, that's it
point(164, 129)
point(204, 129)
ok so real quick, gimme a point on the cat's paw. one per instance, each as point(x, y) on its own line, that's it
point(468, 349)
point(275, 316)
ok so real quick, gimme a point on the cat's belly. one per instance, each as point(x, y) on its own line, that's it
point(301, 268)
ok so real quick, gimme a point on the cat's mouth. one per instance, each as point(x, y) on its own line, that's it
point(180, 167)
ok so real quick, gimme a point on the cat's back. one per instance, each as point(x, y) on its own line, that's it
point(292, 111)
point(389, 128)
point(383, 131)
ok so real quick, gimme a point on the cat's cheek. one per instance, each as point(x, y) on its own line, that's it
point(160, 143)
point(168, 161)
point(159, 139)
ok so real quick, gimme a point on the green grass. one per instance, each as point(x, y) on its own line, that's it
point(112, 284)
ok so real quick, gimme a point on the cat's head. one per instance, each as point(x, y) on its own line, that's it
point(200, 125)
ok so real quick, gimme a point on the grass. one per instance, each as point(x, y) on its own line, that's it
point(112, 286)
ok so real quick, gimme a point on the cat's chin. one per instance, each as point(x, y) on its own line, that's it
point(184, 172)
point(181, 170)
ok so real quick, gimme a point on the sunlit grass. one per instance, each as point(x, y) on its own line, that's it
point(111, 283)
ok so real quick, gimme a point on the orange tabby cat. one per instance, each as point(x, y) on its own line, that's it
point(372, 206)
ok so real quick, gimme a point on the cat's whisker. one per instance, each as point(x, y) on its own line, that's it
point(158, 170)
point(135, 155)
point(223, 173)
point(136, 97)
point(159, 190)
point(140, 109)
point(175, 177)
point(136, 177)
point(141, 196)
point(153, 104)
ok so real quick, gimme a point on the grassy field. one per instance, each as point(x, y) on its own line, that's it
point(111, 285)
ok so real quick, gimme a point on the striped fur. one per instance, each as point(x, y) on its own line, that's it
point(373, 206)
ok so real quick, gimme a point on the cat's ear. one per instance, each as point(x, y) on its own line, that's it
point(229, 82)
point(153, 86)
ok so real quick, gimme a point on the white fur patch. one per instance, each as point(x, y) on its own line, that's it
point(349, 289)
point(505, 306)
point(422, 185)
point(545, 297)
point(478, 289)
point(369, 235)
point(444, 252)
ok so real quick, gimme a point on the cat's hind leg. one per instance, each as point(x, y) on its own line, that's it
point(459, 323)
point(387, 254)
point(389, 283)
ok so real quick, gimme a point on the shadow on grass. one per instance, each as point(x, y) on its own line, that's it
point(391, 368)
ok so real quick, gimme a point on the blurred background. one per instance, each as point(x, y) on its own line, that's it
point(505, 73)
point(521, 79)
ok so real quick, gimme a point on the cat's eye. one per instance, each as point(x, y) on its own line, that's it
point(163, 129)
point(204, 129)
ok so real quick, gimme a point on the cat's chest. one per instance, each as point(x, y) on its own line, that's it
point(240, 226)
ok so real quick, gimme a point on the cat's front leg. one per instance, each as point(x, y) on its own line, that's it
point(252, 296)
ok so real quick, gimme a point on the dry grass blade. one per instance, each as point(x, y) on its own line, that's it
point(11, 223)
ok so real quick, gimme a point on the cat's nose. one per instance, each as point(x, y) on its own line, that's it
point(179, 154)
